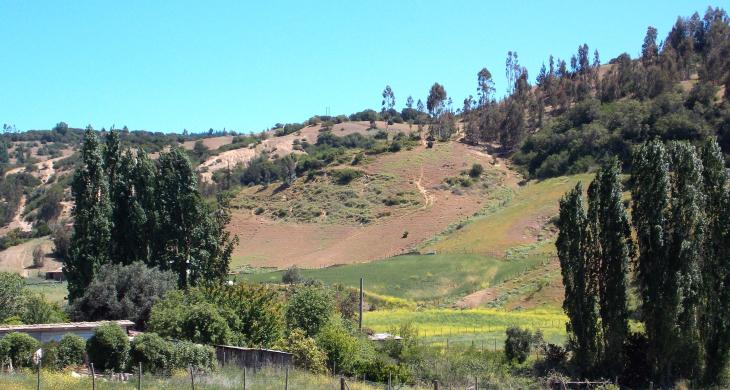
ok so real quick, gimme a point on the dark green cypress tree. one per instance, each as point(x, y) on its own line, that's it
point(655, 277)
point(578, 271)
point(90, 242)
point(614, 249)
point(144, 181)
point(179, 212)
point(686, 252)
point(112, 159)
point(192, 235)
point(715, 318)
point(127, 214)
point(4, 158)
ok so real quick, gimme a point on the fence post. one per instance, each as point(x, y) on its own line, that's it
point(435, 384)
point(244, 377)
point(38, 381)
point(286, 379)
point(362, 298)
point(139, 377)
point(192, 378)
point(342, 383)
point(93, 377)
point(476, 382)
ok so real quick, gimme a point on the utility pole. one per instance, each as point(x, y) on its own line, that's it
point(361, 303)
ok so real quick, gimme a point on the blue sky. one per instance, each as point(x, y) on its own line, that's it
point(244, 65)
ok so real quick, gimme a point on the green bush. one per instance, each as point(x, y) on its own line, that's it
point(18, 348)
point(309, 308)
point(342, 348)
point(154, 353)
point(50, 359)
point(518, 343)
point(476, 171)
point(346, 175)
point(292, 276)
point(380, 369)
point(108, 348)
point(71, 350)
point(186, 354)
point(37, 310)
point(242, 314)
point(306, 353)
point(121, 292)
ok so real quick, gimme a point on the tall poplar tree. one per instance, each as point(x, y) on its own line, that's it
point(580, 304)
point(192, 236)
point(90, 242)
point(613, 247)
point(715, 319)
point(686, 251)
point(144, 180)
point(655, 277)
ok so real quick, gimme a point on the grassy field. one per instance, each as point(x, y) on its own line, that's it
point(508, 247)
point(221, 380)
point(519, 222)
point(54, 291)
point(420, 277)
point(464, 326)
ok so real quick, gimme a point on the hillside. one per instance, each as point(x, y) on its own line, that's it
point(400, 200)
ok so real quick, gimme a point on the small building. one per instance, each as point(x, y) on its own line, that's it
point(48, 332)
point(252, 357)
point(380, 337)
point(55, 275)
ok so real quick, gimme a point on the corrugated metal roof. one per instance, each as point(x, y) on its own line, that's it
point(61, 326)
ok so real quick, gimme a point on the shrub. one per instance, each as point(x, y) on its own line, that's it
point(71, 350)
point(18, 348)
point(39, 257)
point(476, 171)
point(380, 369)
point(61, 236)
point(154, 353)
point(203, 323)
point(122, 292)
point(11, 288)
point(292, 276)
point(309, 308)
point(50, 356)
point(346, 175)
point(341, 348)
point(306, 353)
point(37, 310)
point(108, 347)
point(240, 314)
point(517, 345)
point(186, 354)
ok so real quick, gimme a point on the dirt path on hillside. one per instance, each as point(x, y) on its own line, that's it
point(428, 198)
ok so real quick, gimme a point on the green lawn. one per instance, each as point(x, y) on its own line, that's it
point(419, 277)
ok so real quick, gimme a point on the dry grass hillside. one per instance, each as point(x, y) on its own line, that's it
point(280, 146)
point(400, 200)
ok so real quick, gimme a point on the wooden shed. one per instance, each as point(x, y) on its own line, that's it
point(252, 357)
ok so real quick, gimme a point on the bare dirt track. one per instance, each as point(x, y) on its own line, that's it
point(277, 244)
